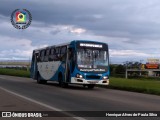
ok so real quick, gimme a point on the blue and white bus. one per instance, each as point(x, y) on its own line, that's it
point(77, 62)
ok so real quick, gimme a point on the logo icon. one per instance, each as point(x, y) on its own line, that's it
point(6, 114)
point(21, 19)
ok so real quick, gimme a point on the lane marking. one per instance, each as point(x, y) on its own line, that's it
point(42, 104)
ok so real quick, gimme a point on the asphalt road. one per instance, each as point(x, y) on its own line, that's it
point(76, 98)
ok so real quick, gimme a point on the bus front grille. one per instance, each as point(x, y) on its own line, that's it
point(92, 77)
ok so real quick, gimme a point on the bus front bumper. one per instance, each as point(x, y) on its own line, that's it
point(75, 80)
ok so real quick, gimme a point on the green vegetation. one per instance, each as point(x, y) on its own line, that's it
point(14, 72)
point(142, 85)
point(117, 71)
point(14, 63)
point(136, 83)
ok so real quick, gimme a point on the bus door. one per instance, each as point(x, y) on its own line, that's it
point(68, 65)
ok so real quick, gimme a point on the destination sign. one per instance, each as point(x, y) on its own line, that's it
point(91, 45)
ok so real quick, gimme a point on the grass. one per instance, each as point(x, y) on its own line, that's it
point(14, 63)
point(144, 86)
point(14, 72)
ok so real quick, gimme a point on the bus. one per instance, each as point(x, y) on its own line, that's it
point(81, 62)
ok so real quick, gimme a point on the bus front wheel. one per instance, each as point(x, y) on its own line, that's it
point(61, 83)
point(91, 86)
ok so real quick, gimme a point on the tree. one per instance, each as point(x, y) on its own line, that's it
point(112, 69)
point(120, 69)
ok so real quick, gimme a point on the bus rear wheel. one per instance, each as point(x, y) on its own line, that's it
point(39, 81)
point(91, 86)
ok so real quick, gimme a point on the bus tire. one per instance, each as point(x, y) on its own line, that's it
point(39, 81)
point(61, 83)
point(68, 76)
point(91, 86)
point(44, 81)
point(84, 85)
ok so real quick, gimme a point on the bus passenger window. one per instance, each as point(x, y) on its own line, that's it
point(42, 55)
point(51, 55)
point(63, 53)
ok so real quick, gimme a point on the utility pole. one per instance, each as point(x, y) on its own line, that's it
point(140, 67)
point(126, 74)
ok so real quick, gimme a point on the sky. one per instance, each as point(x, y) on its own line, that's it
point(131, 28)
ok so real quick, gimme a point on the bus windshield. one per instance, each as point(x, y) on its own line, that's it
point(92, 60)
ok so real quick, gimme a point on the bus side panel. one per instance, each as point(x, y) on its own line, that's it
point(60, 70)
point(50, 70)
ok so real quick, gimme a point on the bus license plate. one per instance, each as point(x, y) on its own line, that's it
point(93, 82)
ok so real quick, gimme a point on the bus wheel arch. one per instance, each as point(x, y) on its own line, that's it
point(39, 81)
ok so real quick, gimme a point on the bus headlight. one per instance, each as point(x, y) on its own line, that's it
point(79, 76)
point(105, 77)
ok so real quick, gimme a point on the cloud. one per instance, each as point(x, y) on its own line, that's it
point(16, 48)
point(124, 53)
point(130, 27)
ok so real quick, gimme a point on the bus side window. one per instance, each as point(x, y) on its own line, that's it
point(46, 56)
point(57, 54)
point(42, 55)
point(51, 55)
point(63, 53)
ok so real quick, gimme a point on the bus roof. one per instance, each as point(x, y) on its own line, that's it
point(67, 43)
point(89, 41)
